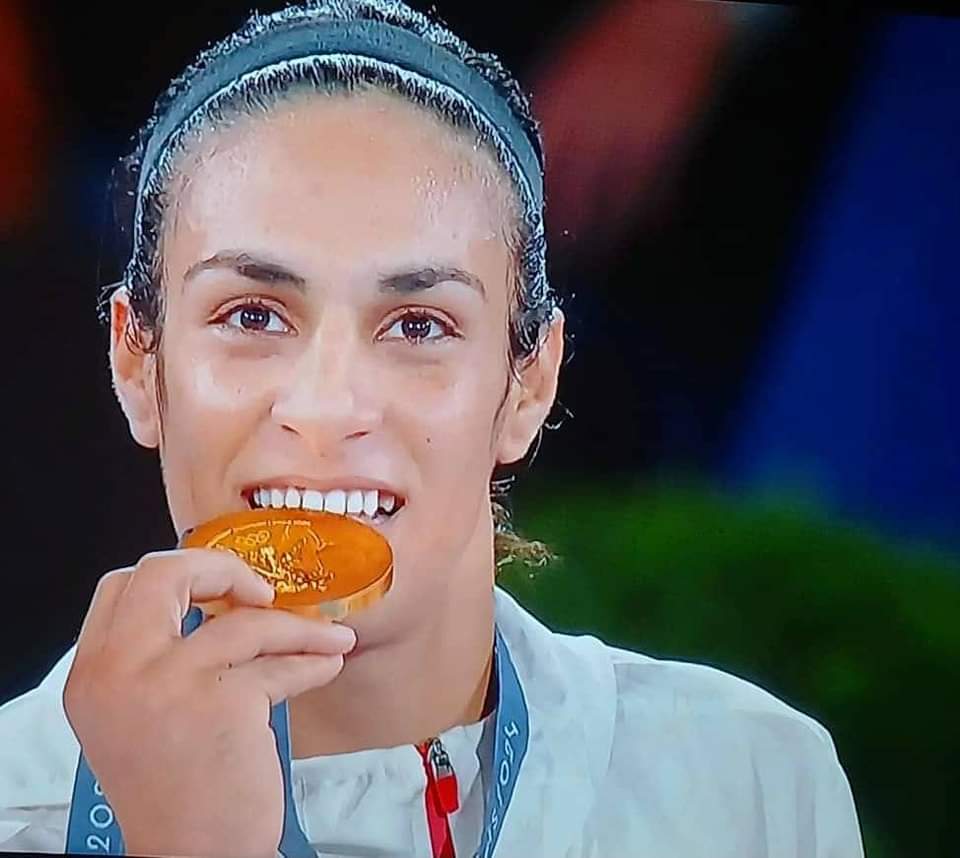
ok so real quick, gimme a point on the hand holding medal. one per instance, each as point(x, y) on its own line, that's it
point(196, 708)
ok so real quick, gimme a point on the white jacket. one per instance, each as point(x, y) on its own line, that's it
point(629, 757)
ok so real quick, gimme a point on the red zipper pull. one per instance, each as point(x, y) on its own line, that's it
point(442, 796)
point(447, 790)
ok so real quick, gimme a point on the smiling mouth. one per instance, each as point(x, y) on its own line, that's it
point(370, 506)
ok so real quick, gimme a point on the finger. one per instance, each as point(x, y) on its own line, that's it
point(94, 636)
point(283, 676)
point(244, 634)
point(165, 583)
point(99, 616)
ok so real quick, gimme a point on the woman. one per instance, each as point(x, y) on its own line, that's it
point(336, 298)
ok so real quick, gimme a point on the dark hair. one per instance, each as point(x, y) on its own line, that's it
point(141, 210)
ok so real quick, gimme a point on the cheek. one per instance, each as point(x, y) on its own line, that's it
point(211, 409)
point(448, 414)
point(203, 392)
point(456, 399)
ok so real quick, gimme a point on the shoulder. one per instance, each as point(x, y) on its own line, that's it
point(651, 690)
point(673, 758)
point(755, 771)
point(685, 698)
point(646, 697)
point(38, 751)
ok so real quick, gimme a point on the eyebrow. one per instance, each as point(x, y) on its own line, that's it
point(247, 266)
point(264, 271)
point(406, 282)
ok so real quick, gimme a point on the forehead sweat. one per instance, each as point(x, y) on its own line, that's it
point(341, 48)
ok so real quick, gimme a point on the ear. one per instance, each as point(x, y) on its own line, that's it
point(133, 374)
point(529, 402)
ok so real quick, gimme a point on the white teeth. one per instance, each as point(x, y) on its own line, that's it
point(335, 501)
point(312, 499)
point(365, 502)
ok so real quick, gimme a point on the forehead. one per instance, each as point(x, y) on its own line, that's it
point(337, 179)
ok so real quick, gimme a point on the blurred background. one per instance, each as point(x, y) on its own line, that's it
point(753, 215)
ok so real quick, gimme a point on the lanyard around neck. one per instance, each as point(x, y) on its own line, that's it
point(93, 828)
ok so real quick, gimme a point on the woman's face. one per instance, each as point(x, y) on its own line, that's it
point(336, 300)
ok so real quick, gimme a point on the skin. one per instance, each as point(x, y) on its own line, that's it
point(335, 388)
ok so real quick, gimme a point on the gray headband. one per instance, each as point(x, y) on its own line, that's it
point(373, 39)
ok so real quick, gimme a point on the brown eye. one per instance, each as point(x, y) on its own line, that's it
point(418, 328)
point(256, 318)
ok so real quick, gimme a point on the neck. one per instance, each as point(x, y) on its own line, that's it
point(407, 690)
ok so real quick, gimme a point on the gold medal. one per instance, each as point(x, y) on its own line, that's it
point(319, 564)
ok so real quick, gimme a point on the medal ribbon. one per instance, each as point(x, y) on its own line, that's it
point(92, 827)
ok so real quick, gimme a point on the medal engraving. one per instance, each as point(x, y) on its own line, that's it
point(287, 552)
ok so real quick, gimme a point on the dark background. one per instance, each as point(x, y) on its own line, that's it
point(752, 213)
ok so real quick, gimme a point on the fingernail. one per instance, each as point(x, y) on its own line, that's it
point(344, 636)
point(267, 587)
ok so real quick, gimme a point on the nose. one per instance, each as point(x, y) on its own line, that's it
point(326, 398)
